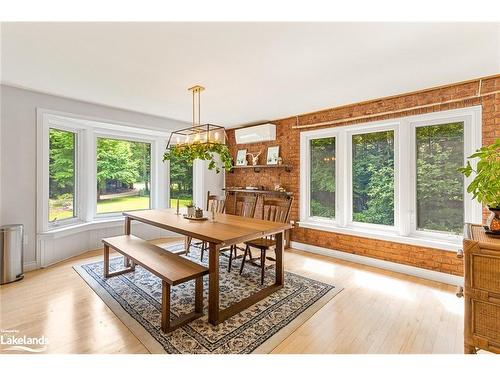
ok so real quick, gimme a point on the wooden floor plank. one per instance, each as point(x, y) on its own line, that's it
point(377, 312)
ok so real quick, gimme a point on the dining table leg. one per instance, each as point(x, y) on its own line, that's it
point(280, 268)
point(126, 261)
point(213, 283)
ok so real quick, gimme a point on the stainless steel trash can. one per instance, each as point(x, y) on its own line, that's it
point(11, 253)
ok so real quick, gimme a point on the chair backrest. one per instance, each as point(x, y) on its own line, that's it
point(277, 210)
point(217, 201)
point(245, 205)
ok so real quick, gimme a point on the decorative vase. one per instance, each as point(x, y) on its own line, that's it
point(191, 211)
point(199, 213)
point(493, 221)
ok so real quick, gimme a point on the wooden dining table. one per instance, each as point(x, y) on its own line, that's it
point(224, 231)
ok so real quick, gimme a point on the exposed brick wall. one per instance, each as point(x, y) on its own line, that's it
point(289, 141)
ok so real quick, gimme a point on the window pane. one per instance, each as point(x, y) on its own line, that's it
point(181, 182)
point(323, 177)
point(62, 147)
point(123, 175)
point(440, 188)
point(373, 178)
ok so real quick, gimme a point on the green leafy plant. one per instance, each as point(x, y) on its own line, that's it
point(486, 185)
point(190, 204)
point(201, 151)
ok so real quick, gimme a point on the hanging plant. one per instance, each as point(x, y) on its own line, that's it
point(202, 151)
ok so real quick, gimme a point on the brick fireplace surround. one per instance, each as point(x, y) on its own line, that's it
point(484, 92)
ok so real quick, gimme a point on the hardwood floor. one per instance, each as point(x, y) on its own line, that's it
point(377, 312)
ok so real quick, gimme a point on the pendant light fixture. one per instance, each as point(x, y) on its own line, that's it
point(199, 141)
point(197, 133)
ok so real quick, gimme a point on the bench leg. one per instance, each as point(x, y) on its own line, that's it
point(107, 273)
point(165, 306)
point(168, 325)
point(198, 295)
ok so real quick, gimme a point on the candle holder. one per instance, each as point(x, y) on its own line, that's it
point(177, 211)
point(212, 214)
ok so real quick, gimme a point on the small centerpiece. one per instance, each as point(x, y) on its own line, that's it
point(485, 186)
point(198, 213)
point(191, 209)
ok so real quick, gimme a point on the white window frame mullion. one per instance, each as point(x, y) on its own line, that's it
point(406, 207)
point(342, 185)
point(473, 141)
point(88, 196)
point(161, 176)
point(305, 167)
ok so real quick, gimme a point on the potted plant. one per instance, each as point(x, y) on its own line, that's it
point(190, 206)
point(485, 186)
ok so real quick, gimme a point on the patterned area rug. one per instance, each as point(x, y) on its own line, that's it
point(135, 299)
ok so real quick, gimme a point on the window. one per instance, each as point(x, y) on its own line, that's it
point(439, 186)
point(373, 178)
point(322, 178)
point(88, 171)
point(62, 175)
point(393, 180)
point(123, 175)
point(181, 182)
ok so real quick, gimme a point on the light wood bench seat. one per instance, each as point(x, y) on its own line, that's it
point(170, 268)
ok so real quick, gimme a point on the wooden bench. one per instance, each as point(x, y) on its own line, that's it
point(170, 268)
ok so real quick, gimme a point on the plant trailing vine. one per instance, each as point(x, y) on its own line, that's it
point(202, 151)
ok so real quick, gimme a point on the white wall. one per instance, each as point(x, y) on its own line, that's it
point(59, 246)
point(205, 180)
point(18, 151)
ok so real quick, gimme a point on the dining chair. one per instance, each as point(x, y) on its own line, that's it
point(276, 210)
point(218, 203)
point(244, 205)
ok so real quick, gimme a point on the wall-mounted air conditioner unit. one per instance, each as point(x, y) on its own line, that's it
point(259, 133)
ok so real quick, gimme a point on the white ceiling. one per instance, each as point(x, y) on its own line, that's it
point(252, 71)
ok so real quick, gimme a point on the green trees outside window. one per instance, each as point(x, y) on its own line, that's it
point(123, 175)
point(322, 177)
point(440, 186)
point(181, 181)
point(62, 174)
point(373, 178)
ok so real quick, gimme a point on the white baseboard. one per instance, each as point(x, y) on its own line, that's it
point(30, 266)
point(391, 266)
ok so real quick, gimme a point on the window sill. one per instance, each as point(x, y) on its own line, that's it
point(441, 244)
point(67, 230)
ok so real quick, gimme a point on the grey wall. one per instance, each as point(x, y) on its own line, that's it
point(18, 149)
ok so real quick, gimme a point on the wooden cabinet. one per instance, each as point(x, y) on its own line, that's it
point(481, 290)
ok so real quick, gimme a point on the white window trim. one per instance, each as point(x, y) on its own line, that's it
point(43, 157)
point(404, 230)
point(305, 177)
point(87, 132)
